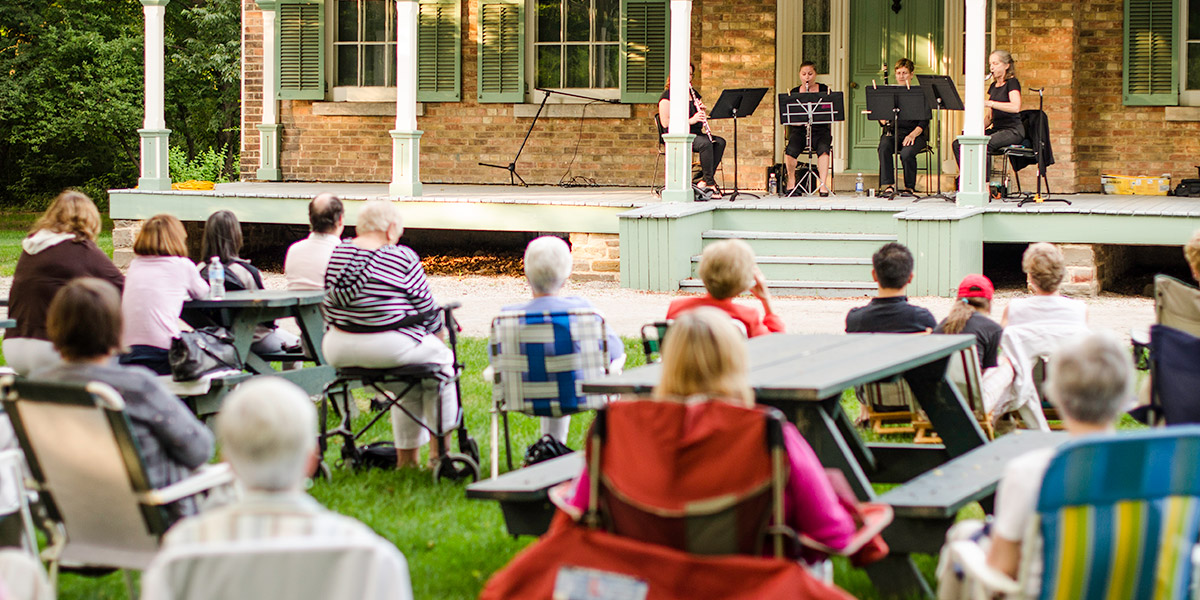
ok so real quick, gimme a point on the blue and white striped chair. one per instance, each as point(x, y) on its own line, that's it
point(540, 360)
point(1118, 517)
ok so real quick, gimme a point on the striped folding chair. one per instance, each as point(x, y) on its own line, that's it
point(1118, 517)
point(540, 360)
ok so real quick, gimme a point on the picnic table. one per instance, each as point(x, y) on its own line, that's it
point(805, 376)
point(242, 311)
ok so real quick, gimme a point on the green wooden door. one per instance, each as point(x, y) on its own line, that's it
point(879, 36)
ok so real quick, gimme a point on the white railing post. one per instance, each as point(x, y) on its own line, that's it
point(155, 137)
point(678, 185)
point(269, 127)
point(973, 144)
point(406, 138)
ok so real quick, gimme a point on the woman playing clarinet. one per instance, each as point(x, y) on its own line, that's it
point(1002, 109)
point(913, 138)
point(798, 138)
point(710, 147)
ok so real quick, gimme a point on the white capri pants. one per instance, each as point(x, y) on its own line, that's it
point(388, 349)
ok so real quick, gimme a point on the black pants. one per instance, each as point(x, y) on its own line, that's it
point(908, 160)
point(710, 155)
point(998, 139)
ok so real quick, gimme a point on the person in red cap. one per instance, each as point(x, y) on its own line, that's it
point(970, 315)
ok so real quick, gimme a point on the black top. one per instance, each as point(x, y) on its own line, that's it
point(1001, 119)
point(695, 128)
point(889, 315)
point(987, 337)
point(821, 89)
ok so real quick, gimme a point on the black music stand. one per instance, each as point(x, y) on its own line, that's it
point(805, 110)
point(893, 103)
point(940, 94)
point(734, 104)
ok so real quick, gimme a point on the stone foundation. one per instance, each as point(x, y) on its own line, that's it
point(597, 256)
point(1093, 267)
point(124, 232)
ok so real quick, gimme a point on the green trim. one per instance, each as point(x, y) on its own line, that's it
point(155, 169)
point(268, 137)
point(501, 76)
point(645, 49)
point(973, 183)
point(300, 52)
point(1150, 73)
point(155, 2)
point(268, 4)
point(679, 179)
point(439, 51)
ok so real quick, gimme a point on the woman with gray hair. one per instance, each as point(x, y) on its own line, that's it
point(1090, 381)
point(381, 314)
point(547, 268)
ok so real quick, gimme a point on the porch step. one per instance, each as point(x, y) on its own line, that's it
point(792, 287)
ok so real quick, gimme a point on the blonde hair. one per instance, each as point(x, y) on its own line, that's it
point(71, 212)
point(705, 354)
point(1043, 262)
point(727, 268)
point(161, 235)
point(1011, 63)
point(1191, 251)
point(377, 215)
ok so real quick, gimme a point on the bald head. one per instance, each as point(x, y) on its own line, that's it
point(325, 214)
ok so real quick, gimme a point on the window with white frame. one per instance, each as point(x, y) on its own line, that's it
point(577, 44)
point(1189, 60)
point(365, 43)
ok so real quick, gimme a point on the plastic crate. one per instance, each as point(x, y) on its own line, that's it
point(1139, 186)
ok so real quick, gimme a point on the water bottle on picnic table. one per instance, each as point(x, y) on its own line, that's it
point(216, 279)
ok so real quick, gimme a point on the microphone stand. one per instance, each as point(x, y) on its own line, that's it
point(511, 167)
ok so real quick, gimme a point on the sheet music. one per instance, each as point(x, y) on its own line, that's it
point(803, 113)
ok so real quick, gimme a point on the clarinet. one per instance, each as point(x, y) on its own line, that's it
point(886, 125)
point(703, 114)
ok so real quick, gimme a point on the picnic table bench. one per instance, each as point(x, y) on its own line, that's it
point(523, 494)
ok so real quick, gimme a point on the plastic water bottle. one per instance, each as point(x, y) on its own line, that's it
point(858, 185)
point(772, 184)
point(216, 279)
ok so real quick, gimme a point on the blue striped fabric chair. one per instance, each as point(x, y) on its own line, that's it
point(1118, 518)
point(540, 360)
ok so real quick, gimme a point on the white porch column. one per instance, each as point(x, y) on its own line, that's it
point(155, 136)
point(679, 140)
point(268, 129)
point(973, 144)
point(406, 139)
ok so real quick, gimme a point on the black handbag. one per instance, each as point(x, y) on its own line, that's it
point(545, 449)
point(207, 350)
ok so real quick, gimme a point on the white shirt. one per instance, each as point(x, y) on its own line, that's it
point(1016, 509)
point(304, 266)
point(1047, 309)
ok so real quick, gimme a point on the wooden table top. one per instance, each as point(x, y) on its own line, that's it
point(812, 367)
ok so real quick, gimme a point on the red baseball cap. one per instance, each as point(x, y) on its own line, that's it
point(976, 286)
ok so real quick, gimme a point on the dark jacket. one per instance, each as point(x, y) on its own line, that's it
point(40, 275)
point(1037, 134)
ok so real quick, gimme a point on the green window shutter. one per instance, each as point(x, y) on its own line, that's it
point(501, 51)
point(301, 50)
point(1151, 53)
point(645, 33)
point(439, 51)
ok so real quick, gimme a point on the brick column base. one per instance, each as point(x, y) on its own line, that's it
point(123, 235)
point(597, 256)
point(1092, 267)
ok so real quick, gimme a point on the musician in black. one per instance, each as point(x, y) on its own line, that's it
point(1002, 109)
point(822, 135)
point(710, 147)
point(914, 137)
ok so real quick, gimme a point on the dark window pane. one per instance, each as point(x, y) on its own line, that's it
point(608, 69)
point(579, 21)
point(816, 15)
point(375, 20)
point(578, 70)
point(391, 64)
point(816, 49)
point(347, 65)
point(608, 21)
point(549, 66)
point(347, 25)
point(375, 61)
point(1193, 66)
point(549, 21)
point(1193, 27)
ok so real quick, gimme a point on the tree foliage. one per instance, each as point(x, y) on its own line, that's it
point(71, 90)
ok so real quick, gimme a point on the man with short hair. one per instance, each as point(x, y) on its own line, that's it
point(889, 311)
point(304, 266)
point(268, 433)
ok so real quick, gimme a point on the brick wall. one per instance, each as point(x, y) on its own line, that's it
point(733, 46)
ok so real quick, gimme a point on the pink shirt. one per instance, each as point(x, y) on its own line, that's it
point(155, 290)
point(810, 505)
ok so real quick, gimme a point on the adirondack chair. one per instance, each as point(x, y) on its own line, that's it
point(1118, 517)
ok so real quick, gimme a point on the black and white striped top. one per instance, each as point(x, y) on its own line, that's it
point(368, 291)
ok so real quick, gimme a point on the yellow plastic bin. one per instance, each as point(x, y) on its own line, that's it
point(1136, 186)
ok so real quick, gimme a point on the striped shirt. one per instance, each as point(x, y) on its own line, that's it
point(368, 291)
point(266, 515)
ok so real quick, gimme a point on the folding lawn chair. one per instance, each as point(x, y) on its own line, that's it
point(1118, 517)
point(540, 360)
point(90, 478)
point(888, 406)
point(653, 335)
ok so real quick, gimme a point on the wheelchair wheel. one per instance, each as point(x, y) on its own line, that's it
point(456, 467)
point(470, 447)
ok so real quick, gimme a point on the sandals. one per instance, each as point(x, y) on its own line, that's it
point(716, 192)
